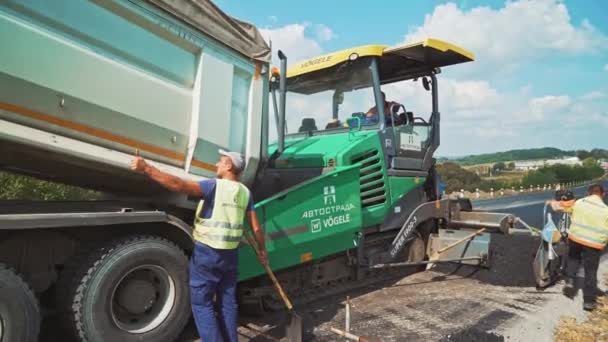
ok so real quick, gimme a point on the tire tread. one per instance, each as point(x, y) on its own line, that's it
point(79, 271)
point(35, 316)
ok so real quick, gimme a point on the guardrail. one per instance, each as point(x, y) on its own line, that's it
point(502, 192)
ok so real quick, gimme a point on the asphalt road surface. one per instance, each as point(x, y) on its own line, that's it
point(528, 206)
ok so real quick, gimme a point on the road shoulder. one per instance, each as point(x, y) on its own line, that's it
point(540, 325)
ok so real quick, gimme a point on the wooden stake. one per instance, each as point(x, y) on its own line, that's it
point(347, 314)
point(349, 335)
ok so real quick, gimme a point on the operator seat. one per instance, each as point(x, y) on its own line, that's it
point(308, 124)
point(334, 123)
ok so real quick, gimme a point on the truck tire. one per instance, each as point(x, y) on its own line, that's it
point(133, 289)
point(19, 311)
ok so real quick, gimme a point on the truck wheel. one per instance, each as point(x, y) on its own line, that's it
point(19, 311)
point(135, 289)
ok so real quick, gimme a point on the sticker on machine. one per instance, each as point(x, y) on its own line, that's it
point(410, 142)
point(331, 214)
point(315, 225)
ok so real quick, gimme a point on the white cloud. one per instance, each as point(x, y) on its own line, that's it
point(300, 41)
point(461, 100)
point(294, 40)
point(324, 33)
point(507, 37)
point(546, 106)
point(552, 120)
point(587, 113)
point(476, 115)
point(594, 95)
point(469, 95)
point(273, 18)
point(526, 90)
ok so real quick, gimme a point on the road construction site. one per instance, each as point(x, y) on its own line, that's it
point(447, 303)
point(348, 192)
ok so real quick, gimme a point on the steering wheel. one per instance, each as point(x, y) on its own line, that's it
point(397, 113)
point(417, 118)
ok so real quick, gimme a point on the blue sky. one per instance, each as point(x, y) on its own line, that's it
point(540, 77)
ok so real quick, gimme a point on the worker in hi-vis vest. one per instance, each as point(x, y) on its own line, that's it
point(588, 235)
point(218, 229)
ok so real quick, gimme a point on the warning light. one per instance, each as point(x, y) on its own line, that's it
point(306, 257)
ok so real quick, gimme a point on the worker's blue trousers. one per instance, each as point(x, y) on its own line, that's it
point(213, 273)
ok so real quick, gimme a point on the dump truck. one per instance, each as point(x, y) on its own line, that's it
point(86, 84)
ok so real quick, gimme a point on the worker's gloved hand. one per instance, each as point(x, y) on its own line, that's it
point(138, 164)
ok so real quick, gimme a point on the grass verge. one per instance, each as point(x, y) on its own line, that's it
point(593, 329)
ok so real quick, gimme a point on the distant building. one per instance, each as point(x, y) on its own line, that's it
point(527, 165)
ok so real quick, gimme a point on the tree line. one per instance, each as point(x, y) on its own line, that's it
point(455, 177)
point(19, 187)
point(559, 173)
point(526, 154)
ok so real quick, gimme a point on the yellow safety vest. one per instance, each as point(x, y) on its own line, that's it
point(589, 225)
point(224, 229)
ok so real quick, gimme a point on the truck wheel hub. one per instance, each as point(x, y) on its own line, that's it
point(143, 299)
point(137, 295)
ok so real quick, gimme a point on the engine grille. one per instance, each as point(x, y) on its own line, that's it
point(373, 190)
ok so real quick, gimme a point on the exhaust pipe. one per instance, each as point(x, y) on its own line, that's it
point(282, 99)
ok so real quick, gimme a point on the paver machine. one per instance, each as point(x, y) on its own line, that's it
point(350, 186)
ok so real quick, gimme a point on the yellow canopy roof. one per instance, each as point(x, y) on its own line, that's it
point(431, 53)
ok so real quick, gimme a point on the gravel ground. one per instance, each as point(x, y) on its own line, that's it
point(449, 303)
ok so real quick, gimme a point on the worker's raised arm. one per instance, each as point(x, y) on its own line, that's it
point(554, 205)
point(560, 206)
point(166, 180)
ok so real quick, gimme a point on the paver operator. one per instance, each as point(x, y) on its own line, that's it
point(218, 229)
point(588, 236)
point(372, 115)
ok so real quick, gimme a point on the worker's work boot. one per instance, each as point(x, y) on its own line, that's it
point(570, 289)
point(589, 306)
point(569, 282)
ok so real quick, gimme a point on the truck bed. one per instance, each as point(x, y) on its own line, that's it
point(85, 85)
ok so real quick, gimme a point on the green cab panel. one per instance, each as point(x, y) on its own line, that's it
point(379, 192)
point(314, 219)
point(400, 186)
point(317, 150)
